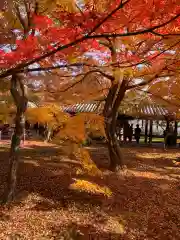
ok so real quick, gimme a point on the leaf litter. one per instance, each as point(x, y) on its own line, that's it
point(55, 202)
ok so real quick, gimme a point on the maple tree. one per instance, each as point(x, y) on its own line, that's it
point(116, 72)
point(66, 31)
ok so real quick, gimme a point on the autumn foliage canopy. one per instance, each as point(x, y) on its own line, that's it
point(67, 31)
point(113, 42)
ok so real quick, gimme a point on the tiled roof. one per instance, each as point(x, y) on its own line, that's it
point(148, 110)
point(84, 107)
point(136, 111)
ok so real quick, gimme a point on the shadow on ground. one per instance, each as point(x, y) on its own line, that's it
point(142, 196)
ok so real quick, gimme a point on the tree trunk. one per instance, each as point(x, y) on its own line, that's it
point(48, 135)
point(19, 95)
point(115, 155)
point(13, 158)
point(113, 101)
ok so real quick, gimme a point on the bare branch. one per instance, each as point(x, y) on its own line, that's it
point(88, 73)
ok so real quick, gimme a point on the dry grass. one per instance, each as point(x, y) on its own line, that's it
point(55, 202)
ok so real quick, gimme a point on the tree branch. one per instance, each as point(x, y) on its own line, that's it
point(121, 5)
point(161, 98)
point(14, 89)
point(39, 69)
point(28, 14)
point(143, 83)
point(90, 65)
point(19, 93)
point(88, 73)
point(82, 39)
point(22, 21)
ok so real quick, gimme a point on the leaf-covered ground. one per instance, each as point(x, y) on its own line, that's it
point(55, 201)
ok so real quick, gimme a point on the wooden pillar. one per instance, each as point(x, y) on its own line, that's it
point(175, 132)
point(157, 125)
point(150, 131)
point(175, 127)
point(146, 131)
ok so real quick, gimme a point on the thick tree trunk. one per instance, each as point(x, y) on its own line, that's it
point(115, 155)
point(19, 95)
point(110, 112)
point(13, 158)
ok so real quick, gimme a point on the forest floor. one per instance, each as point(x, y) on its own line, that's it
point(55, 200)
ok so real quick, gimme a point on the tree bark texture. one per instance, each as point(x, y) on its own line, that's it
point(114, 98)
point(19, 94)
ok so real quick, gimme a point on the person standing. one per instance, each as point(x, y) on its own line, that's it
point(168, 137)
point(36, 127)
point(137, 133)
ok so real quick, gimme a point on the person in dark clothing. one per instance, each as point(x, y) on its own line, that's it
point(27, 125)
point(36, 127)
point(41, 130)
point(137, 133)
point(169, 137)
